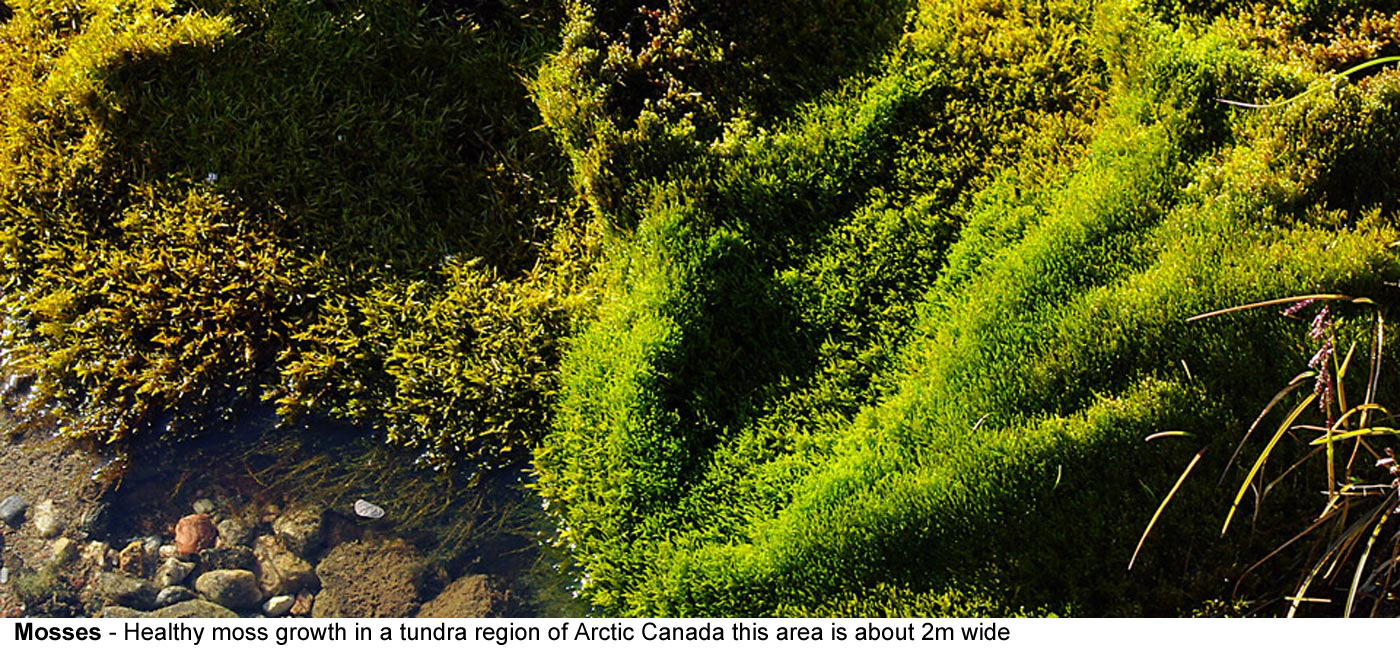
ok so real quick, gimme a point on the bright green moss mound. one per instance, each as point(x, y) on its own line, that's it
point(892, 347)
point(343, 207)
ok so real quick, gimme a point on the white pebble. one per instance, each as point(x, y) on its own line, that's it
point(278, 605)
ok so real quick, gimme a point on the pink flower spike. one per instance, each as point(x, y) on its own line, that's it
point(1296, 307)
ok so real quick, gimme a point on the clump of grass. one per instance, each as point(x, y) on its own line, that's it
point(1354, 441)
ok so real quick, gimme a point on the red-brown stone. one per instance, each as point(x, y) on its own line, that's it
point(194, 533)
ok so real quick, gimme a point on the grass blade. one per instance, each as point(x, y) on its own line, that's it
point(1156, 515)
point(1269, 303)
point(1297, 382)
point(1263, 456)
point(1361, 564)
point(1354, 433)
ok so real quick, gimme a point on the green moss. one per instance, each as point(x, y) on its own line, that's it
point(217, 203)
point(978, 264)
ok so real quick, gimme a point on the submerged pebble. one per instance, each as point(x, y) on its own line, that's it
point(47, 520)
point(368, 510)
point(12, 509)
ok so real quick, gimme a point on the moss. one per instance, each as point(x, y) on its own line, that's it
point(981, 260)
point(218, 202)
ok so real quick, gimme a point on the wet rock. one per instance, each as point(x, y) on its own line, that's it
point(47, 520)
point(194, 533)
point(232, 588)
point(151, 544)
point(278, 605)
point(194, 609)
point(174, 594)
point(227, 557)
point(95, 520)
point(117, 611)
point(340, 529)
point(125, 590)
point(203, 506)
point(304, 603)
point(279, 570)
point(368, 510)
point(173, 572)
point(233, 532)
point(301, 529)
point(12, 510)
point(474, 596)
point(166, 551)
point(132, 559)
point(95, 555)
point(369, 579)
point(63, 551)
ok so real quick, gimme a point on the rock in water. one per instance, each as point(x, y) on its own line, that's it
point(174, 594)
point(194, 533)
point(125, 590)
point(278, 605)
point(368, 510)
point(232, 588)
point(193, 609)
point(95, 554)
point(46, 519)
point(173, 572)
point(232, 532)
point(279, 570)
point(95, 519)
point(474, 596)
point(12, 510)
point(227, 557)
point(301, 529)
point(369, 579)
point(65, 550)
point(304, 603)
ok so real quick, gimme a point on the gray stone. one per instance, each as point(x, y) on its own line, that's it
point(173, 572)
point(203, 506)
point(125, 590)
point(368, 510)
point(47, 520)
point(232, 588)
point(227, 557)
point(95, 554)
point(301, 529)
point(151, 545)
point(117, 611)
point(279, 570)
point(12, 510)
point(232, 532)
point(95, 519)
point(64, 550)
point(194, 609)
point(175, 594)
point(278, 605)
